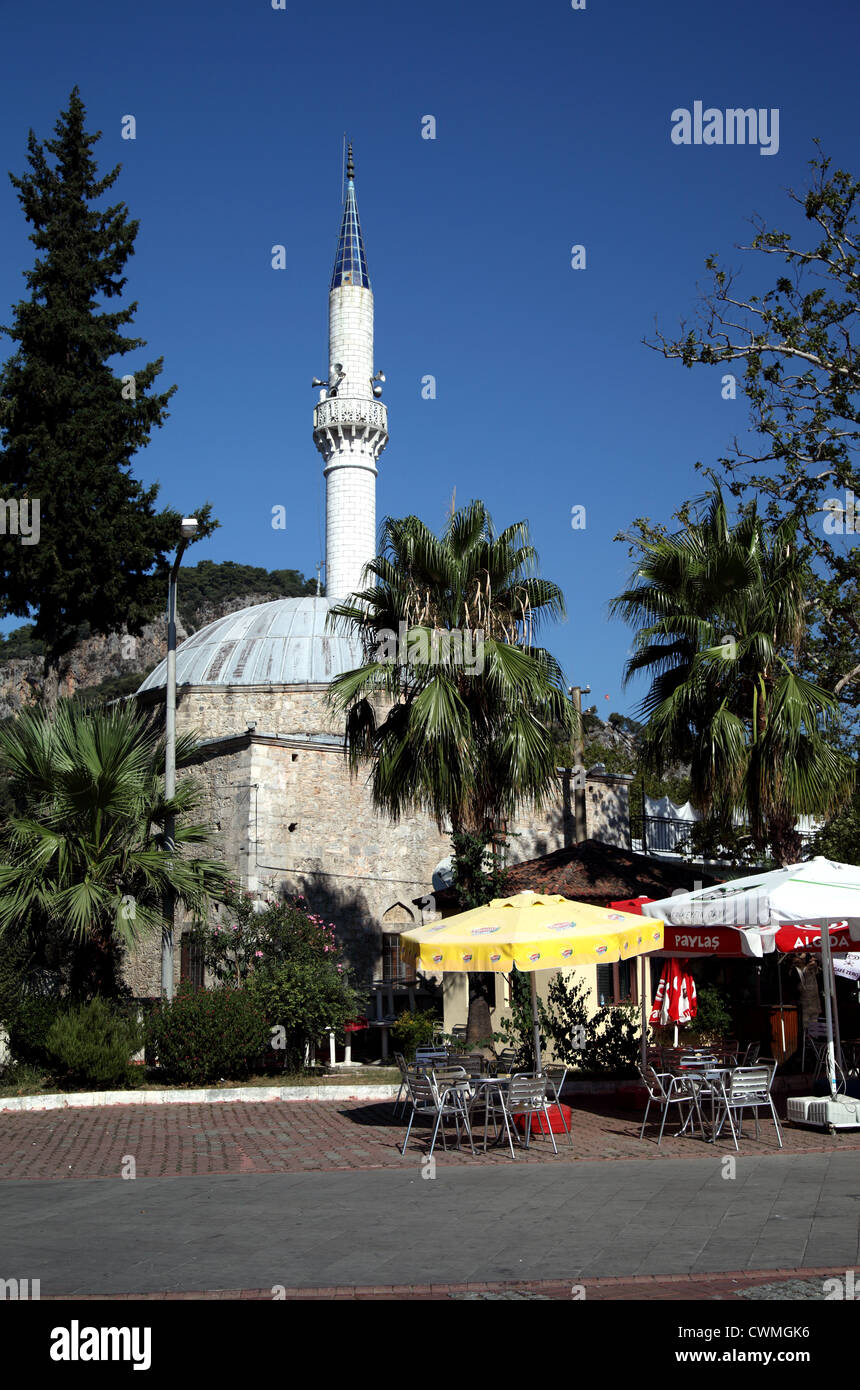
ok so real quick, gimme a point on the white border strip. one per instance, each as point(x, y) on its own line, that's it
point(203, 1096)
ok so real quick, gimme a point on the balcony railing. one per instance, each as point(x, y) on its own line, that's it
point(338, 411)
point(664, 835)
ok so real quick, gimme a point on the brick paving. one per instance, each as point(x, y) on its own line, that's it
point(771, 1284)
point(324, 1136)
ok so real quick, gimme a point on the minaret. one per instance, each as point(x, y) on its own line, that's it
point(350, 423)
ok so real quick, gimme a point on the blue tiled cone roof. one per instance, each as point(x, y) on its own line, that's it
point(350, 263)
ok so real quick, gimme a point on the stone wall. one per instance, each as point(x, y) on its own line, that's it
point(288, 817)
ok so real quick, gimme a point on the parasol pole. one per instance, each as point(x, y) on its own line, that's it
point(535, 1021)
point(827, 966)
point(644, 1012)
point(781, 1014)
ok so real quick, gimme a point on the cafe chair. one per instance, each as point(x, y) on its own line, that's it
point(666, 1090)
point(815, 1038)
point(446, 1102)
point(748, 1088)
point(429, 1056)
point(471, 1062)
point(400, 1061)
point(506, 1061)
point(556, 1075)
point(528, 1096)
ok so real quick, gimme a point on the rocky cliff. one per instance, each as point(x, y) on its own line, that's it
point(119, 658)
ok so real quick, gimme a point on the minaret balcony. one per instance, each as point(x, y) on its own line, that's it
point(350, 410)
point(350, 423)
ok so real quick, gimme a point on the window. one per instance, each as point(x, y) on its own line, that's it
point(616, 984)
point(396, 970)
point(191, 962)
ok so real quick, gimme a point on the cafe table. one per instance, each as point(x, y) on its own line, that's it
point(708, 1082)
point(482, 1087)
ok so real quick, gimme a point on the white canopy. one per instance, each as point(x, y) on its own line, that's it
point(817, 890)
point(820, 890)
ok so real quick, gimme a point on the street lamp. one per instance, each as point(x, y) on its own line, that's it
point(579, 820)
point(188, 528)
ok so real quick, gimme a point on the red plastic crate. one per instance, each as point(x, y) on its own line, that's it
point(556, 1124)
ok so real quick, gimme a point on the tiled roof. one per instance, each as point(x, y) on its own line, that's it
point(285, 642)
point(596, 873)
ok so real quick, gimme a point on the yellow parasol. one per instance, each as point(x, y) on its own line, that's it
point(531, 931)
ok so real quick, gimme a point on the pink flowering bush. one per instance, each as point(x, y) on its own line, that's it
point(288, 960)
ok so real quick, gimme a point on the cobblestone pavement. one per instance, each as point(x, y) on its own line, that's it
point(324, 1136)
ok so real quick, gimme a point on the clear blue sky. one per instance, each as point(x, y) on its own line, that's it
point(553, 129)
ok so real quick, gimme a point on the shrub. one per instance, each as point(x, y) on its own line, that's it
point(20, 1079)
point(208, 1034)
point(301, 1000)
point(607, 1042)
point(713, 1016)
point(615, 1041)
point(289, 961)
point(93, 1043)
point(28, 1026)
point(413, 1030)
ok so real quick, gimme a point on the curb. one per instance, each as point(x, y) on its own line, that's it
point(79, 1100)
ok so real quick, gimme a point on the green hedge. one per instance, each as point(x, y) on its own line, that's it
point(208, 1034)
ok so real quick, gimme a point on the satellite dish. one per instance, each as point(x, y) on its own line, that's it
point(443, 874)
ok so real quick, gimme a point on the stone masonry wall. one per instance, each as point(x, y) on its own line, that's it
point(288, 817)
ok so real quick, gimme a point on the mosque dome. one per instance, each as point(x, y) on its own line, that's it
point(286, 642)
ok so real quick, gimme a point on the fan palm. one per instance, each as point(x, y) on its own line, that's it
point(82, 852)
point(720, 611)
point(455, 706)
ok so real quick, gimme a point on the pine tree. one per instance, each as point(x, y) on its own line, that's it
point(97, 552)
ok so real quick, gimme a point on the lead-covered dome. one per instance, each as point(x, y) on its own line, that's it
point(285, 642)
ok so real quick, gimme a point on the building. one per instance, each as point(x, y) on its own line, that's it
point(253, 687)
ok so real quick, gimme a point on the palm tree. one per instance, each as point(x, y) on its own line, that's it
point(81, 852)
point(720, 612)
point(455, 707)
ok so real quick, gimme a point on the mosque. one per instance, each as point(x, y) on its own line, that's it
point(287, 814)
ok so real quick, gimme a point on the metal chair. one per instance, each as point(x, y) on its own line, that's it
point(445, 1075)
point(506, 1060)
point(526, 1095)
point(448, 1102)
point(471, 1062)
point(693, 1056)
point(665, 1089)
point(400, 1061)
point(815, 1038)
point(750, 1056)
point(556, 1075)
point(748, 1089)
point(426, 1057)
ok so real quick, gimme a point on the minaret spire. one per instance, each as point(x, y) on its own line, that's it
point(350, 262)
point(350, 422)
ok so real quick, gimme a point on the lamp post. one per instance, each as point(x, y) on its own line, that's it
point(576, 694)
point(189, 526)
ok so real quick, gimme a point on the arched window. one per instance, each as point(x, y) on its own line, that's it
point(396, 969)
